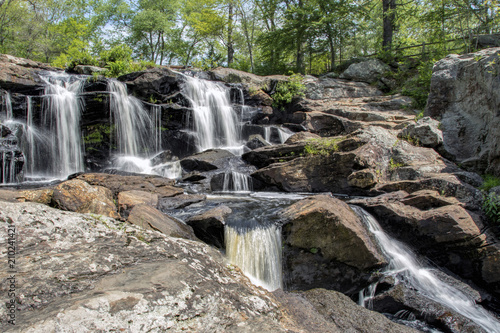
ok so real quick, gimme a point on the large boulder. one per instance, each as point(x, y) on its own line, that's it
point(211, 159)
point(78, 196)
point(368, 71)
point(150, 218)
point(424, 132)
point(326, 88)
point(209, 226)
point(326, 245)
point(464, 97)
point(21, 74)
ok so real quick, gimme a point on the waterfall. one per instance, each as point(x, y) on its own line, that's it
point(132, 122)
point(276, 134)
point(61, 114)
point(156, 109)
point(236, 181)
point(215, 123)
point(8, 171)
point(257, 252)
point(404, 267)
point(7, 104)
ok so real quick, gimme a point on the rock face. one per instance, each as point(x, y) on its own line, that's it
point(109, 276)
point(464, 97)
point(78, 196)
point(425, 132)
point(209, 226)
point(322, 231)
point(11, 156)
point(20, 74)
point(366, 71)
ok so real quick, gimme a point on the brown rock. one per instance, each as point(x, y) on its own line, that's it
point(151, 218)
point(78, 196)
point(209, 226)
point(11, 196)
point(43, 196)
point(129, 199)
point(329, 225)
point(301, 136)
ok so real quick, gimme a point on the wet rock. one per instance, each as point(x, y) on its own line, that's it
point(347, 315)
point(464, 97)
point(415, 305)
point(78, 196)
point(264, 156)
point(209, 226)
point(208, 160)
point(426, 132)
point(180, 201)
point(327, 232)
point(163, 157)
point(194, 176)
point(150, 218)
point(256, 141)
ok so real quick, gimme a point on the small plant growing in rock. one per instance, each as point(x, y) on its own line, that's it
point(394, 165)
point(287, 90)
point(322, 146)
point(489, 181)
point(491, 206)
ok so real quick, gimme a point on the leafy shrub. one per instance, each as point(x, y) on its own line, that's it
point(287, 90)
point(489, 182)
point(491, 206)
point(418, 86)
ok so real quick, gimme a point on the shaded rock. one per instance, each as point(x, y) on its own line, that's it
point(78, 196)
point(426, 132)
point(335, 249)
point(43, 196)
point(180, 201)
point(229, 75)
point(464, 97)
point(363, 178)
point(205, 161)
point(150, 218)
point(348, 316)
point(264, 156)
point(301, 136)
point(256, 141)
point(194, 176)
point(163, 157)
point(368, 71)
point(209, 226)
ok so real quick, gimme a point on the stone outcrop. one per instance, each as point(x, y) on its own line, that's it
point(326, 245)
point(464, 97)
point(368, 71)
point(209, 226)
point(208, 160)
point(21, 74)
point(424, 132)
point(78, 196)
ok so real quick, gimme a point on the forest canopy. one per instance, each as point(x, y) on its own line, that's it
point(259, 36)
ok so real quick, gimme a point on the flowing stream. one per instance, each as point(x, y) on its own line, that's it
point(405, 268)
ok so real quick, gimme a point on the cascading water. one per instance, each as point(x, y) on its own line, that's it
point(7, 104)
point(257, 252)
point(280, 133)
point(132, 123)
point(61, 114)
point(237, 182)
point(404, 267)
point(216, 125)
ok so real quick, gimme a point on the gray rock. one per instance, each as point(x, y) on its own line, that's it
point(367, 71)
point(326, 88)
point(208, 160)
point(464, 97)
point(426, 132)
point(82, 273)
point(256, 141)
point(209, 226)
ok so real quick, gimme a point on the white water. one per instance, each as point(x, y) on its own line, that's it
point(8, 173)
point(216, 125)
point(133, 124)
point(61, 114)
point(156, 109)
point(172, 170)
point(405, 268)
point(7, 104)
point(283, 133)
point(257, 252)
point(237, 182)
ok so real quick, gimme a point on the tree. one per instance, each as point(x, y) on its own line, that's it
point(389, 21)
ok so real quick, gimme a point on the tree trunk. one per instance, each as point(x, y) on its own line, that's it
point(230, 50)
point(389, 18)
